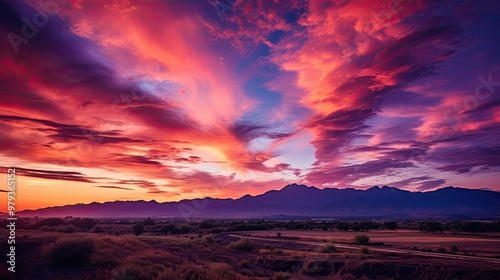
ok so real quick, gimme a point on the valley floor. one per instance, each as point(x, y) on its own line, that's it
point(293, 254)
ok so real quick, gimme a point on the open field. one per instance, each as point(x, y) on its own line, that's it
point(483, 245)
point(250, 255)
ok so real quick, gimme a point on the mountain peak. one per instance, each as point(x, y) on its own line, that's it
point(384, 189)
point(295, 186)
point(374, 188)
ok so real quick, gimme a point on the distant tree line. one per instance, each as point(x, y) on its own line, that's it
point(467, 227)
point(178, 227)
point(68, 225)
point(217, 226)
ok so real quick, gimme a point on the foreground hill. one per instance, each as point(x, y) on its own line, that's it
point(302, 201)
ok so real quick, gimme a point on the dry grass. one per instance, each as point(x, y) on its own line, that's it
point(362, 239)
point(216, 271)
point(70, 251)
point(484, 245)
point(159, 257)
point(281, 276)
point(242, 245)
point(327, 248)
point(129, 271)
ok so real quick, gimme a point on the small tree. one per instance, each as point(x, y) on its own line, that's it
point(362, 239)
point(138, 229)
point(176, 230)
point(167, 228)
point(343, 226)
point(391, 225)
point(278, 234)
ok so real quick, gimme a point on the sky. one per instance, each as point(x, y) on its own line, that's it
point(171, 100)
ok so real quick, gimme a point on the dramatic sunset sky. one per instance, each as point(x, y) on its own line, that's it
point(168, 100)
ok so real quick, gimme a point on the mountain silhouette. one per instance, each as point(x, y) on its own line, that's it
point(302, 201)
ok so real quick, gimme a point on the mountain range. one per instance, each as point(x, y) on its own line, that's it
point(294, 201)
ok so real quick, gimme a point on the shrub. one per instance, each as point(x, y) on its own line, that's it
point(278, 234)
point(441, 250)
point(208, 240)
point(176, 231)
point(362, 239)
point(70, 251)
point(327, 248)
point(66, 229)
point(138, 229)
point(281, 276)
point(47, 228)
point(217, 230)
point(186, 229)
point(453, 249)
point(167, 228)
point(242, 245)
point(51, 222)
point(98, 230)
point(85, 223)
point(364, 250)
point(244, 263)
point(70, 229)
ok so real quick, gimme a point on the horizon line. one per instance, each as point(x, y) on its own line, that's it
point(229, 198)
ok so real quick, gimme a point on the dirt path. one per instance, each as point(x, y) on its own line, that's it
point(378, 249)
